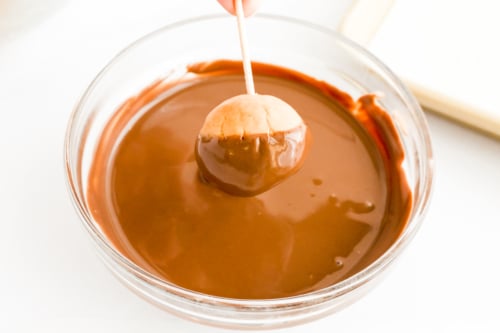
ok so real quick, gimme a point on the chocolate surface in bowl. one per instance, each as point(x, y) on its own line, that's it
point(341, 211)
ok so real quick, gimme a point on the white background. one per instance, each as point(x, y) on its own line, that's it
point(447, 46)
point(51, 279)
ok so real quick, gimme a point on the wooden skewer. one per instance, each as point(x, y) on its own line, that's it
point(247, 65)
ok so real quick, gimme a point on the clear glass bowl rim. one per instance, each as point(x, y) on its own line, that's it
point(319, 296)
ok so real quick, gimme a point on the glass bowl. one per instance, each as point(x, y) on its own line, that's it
point(298, 45)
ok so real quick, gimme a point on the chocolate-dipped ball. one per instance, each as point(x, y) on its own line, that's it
point(249, 143)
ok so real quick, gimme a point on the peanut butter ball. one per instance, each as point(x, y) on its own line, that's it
point(249, 143)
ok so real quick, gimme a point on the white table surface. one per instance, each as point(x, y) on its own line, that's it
point(51, 279)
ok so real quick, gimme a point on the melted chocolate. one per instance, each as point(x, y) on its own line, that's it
point(345, 207)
